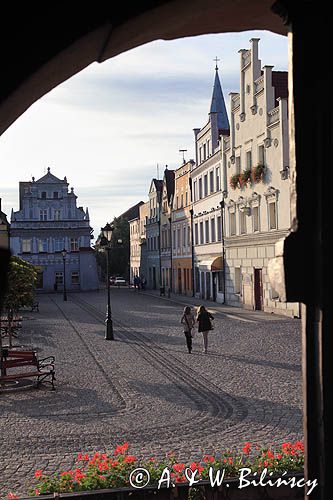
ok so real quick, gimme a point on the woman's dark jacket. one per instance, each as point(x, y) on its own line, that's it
point(204, 323)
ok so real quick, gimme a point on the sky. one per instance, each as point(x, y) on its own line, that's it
point(114, 126)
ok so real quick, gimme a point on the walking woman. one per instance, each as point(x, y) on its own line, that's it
point(204, 325)
point(188, 321)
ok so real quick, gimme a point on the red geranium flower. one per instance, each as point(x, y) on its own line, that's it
point(38, 473)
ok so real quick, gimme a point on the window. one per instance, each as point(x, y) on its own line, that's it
point(248, 159)
point(200, 154)
point(238, 165)
point(178, 238)
point(211, 181)
point(181, 201)
point(242, 222)
point(57, 214)
point(188, 236)
point(212, 230)
point(201, 233)
point(261, 155)
point(43, 214)
point(75, 278)
point(59, 278)
point(26, 246)
point(255, 219)
point(56, 195)
point(272, 215)
point(58, 244)
point(217, 177)
point(43, 195)
point(174, 238)
point(219, 228)
point(196, 234)
point(42, 246)
point(232, 222)
point(238, 280)
point(207, 231)
point(208, 147)
point(195, 191)
point(186, 198)
point(204, 151)
point(200, 188)
point(74, 244)
point(206, 185)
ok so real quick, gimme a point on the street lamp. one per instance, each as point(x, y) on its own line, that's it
point(107, 233)
point(64, 253)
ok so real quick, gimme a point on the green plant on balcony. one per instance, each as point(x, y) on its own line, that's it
point(234, 181)
point(258, 173)
point(245, 177)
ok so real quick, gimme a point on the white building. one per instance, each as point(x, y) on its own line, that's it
point(206, 196)
point(256, 183)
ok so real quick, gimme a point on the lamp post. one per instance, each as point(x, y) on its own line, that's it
point(64, 253)
point(107, 233)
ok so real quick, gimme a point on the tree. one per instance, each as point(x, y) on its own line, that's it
point(22, 279)
point(119, 252)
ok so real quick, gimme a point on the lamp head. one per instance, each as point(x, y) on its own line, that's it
point(64, 252)
point(107, 231)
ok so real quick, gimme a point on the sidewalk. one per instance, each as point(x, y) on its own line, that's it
point(220, 309)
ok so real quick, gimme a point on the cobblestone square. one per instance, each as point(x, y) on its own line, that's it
point(144, 387)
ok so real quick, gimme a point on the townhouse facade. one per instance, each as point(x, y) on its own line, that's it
point(168, 188)
point(153, 233)
point(138, 242)
point(181, 231)
point(256, 188)
point(207, 197)
point(48, 221)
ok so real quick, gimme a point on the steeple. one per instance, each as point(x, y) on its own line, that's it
point(218, 105)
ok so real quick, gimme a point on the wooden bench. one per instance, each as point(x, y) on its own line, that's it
point(42, 369)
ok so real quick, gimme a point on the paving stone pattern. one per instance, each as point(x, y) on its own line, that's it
point(145, 388)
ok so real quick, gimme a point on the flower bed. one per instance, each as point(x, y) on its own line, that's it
point(120, 469)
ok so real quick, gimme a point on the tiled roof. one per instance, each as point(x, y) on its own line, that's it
point(133, 212)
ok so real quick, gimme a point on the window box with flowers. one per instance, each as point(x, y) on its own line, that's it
point(234, 181)
point(258, 173)
point(245, 177)
point(115, 475)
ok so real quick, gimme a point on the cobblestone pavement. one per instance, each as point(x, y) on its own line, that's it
point(144, 387)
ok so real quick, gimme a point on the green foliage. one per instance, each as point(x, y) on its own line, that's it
point(22, 279)
point(119, 252)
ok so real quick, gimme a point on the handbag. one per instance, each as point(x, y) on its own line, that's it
point(212, 324)
point(191, 329)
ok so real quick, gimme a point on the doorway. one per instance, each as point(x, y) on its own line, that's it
point(258, 289)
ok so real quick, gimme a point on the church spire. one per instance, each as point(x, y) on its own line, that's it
point(218, 105)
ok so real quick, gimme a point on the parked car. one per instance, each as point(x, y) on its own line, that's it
point(119, 281)
point(112, 280)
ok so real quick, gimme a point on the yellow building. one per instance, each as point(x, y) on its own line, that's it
point(181, 232)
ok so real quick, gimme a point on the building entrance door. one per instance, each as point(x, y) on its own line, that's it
point(179, 281)
point(208, 286)
point(154, 278)
point(40, 280)
point(214, 286)
point(258, 289)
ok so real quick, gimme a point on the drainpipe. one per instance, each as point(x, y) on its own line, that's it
point(223, 247)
